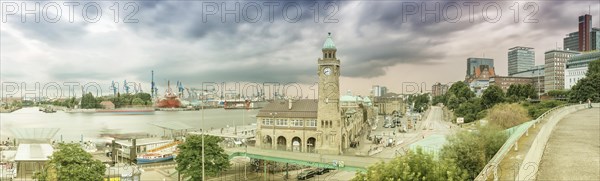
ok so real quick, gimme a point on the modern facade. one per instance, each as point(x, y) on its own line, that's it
point(577, 67)
point(520, 59)
point(327, 125)
point(473, 63)
point(554, 68)
point(439, 89)
point(571, 42)
point(585, 28)
point(585, 39)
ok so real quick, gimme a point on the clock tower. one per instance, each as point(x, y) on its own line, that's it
point(328, 115)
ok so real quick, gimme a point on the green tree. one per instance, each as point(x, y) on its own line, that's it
point(189, 159)
point(461, 93)
point(472, 150)
point(89, 102)
point(588, 87)
point(470, 110)
point(144, 96)
point(439, 99)
point(137, 101)
point(71, 162)
point(492, 96)
point(414, 165)
point(520, 92)
point(421, 102)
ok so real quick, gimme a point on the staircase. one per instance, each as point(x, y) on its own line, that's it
point(165, 146)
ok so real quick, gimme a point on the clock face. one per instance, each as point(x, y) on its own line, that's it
point(327, 71)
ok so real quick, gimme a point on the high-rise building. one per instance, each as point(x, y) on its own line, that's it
point(595, 38)
point(585, 28)
point(439, 89)
point(520, 59)
point(571, 42)
point(379, 91)
point(577, 67)
point(473, 63)
point(554, 70)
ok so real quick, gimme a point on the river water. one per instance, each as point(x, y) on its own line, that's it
point(75, 125)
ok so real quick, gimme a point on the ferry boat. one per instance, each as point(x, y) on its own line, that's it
point(154, 157)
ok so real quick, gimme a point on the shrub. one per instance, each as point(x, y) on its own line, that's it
point(507, 115)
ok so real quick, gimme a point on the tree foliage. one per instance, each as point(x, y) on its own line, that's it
point(421, 102)
point(536, 109)
point(520, 92)
point(470, 110)
point(459, 93)
point(439, 99)
point(189, 159)
point(89, 102)
point(461, 158)
point(71, 162)
point(492, 96)
point(473, 150)
point(414, 165)
point(588, 87)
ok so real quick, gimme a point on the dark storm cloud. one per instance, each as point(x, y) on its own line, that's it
point(179, 44)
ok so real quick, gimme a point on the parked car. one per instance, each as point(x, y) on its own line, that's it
point(306, 174)
point(321, 171)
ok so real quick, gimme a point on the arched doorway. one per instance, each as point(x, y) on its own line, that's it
point(281, 143)
point(268, 142)
point(310, 144)
point(296, 144)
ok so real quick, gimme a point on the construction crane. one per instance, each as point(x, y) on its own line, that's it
point(126, 87)
point(153, 89)
point(180, 89)
point(114, 88)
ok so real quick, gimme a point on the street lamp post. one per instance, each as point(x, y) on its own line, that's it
point(203, 141)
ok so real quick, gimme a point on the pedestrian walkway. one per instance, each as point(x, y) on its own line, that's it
point(573, 150)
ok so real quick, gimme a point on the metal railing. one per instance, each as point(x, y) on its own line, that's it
point(515, 135)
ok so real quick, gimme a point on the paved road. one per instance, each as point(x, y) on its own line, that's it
point(432, 125)
point(573, 150)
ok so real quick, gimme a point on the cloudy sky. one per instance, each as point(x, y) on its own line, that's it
point(389, 43)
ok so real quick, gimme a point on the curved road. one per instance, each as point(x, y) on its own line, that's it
point(573, 150)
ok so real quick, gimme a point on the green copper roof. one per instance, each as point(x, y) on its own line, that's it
point(329, 43)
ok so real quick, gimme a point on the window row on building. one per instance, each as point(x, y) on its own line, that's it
point(290, 122)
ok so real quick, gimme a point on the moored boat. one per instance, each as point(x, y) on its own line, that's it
point(154, 157)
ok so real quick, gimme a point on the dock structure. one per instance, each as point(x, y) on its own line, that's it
point(176, 128)
point(237, 132)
